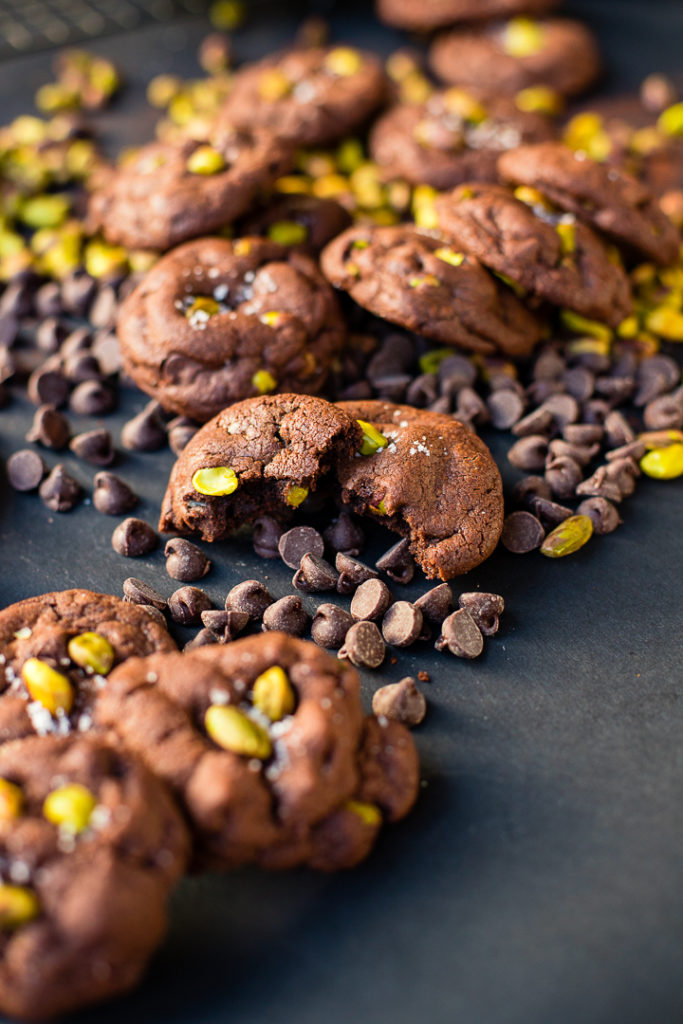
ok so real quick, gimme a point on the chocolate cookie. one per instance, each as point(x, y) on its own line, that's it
point(416, 14)
point(215, 321)
point(90, 846)
point(262, 741)
point(433, 481)
point(301, 222)
point(550, 255)
point(260, 456)
point(506, 57)
point(169, 192)
point(455, 136)
point(418, 282)
point(605, 197)
point(312, 97)
point(56, 651)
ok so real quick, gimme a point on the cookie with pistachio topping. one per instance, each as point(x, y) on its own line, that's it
point(168, 192)
point(304, 222)
point(607, 198)
point(455, 136)
point(56, 652)
point(312, 97)
point(90, 845)
point(262, 456)
point(263, 742)
point(216, 321)
point(431, 287)
point(545, 251)
point(508, 56)
point(418, 14)
point(430, 479)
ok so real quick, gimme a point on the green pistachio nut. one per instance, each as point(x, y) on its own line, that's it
point(216, 481)
point(92, 651)
point(272, 694)
point(234, 731)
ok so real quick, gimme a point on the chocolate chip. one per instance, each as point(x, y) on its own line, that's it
point(371, 600)
point(25, 470)
point(352, 573)
point(460, 634)
point(345, 535)
point(201, 639)
point(47, 302)
point(111, 495)
point(92, 398)
point(78, 341)
point(506, 408)
point(550, 513)
point(563, 408)
point(602, 513)
point(484, 608)
point(595, 410)
point(402, 624)
point(540, 390)
point(422, 390)
point(456, 372)
point(81, 366)
point(287, 615)
point(9, 329)
point(538, 422)
point(225, 625)
point(471, 407)
point(266, 537)
point(330, 626)
point(107, 351)
point(315, 575)
point(654, 376)
point(300, 541)
point(599, 486)
point(580, 453)
point(529, 453)
point(623, 473)
point(615, 389)
point(250, 596)
point(181, 430)
point(48, 387)
point(583, 433)
point(186, 605)
point(665, 412)
point(522, 532)
point(363, 645)
point(579, 382)
point(16, 298)
point(94, 446)
point(530, 487)
point(398, 562)
point(548, 365)
point(103, 310)
point(49, 335)
point(138, 592)
point(50, 428)
point(185, 561)
point(400, 702)
point(564, 475)
point(633, 450)
point(145, 432)
point(133, 537)
point(59, 491)
point(435, 604)
point(77, 292)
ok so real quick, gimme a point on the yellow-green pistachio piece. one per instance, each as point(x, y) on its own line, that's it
point(666, 322)
point(531, 197)
point(11, 800)
point(272, 318)
point(202, 307)
point(671, 120)
point(215, 480)
point(234, 731)
point(343, 61)
point(379, 509)
point(424, 280)
point(47, 686)
point(296, 495)
point(373, 440)
point(449, 256)
point(18, 906)
point(241, 247)
point(274, 85)
point(660, 438)
point(523, 37)
point(350, 155)
point(273, 694)
point(264, 382)
point(539, 99)
point(70, 807)
point(566, 231)
point(461, 103)
point(227, 15)
point(369, 814)
point(92, 651)
point(568, 537)
point(205, 160)
point(431, 361)
point(45, 211)
point(629, 327)
point(162, 89)
point(287, 232)
point(102, 260)
point(582, 325)
point(663, 463)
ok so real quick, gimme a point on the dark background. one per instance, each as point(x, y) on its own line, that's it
point(539, 879)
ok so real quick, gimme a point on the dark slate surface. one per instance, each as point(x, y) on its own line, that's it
point(539, 878)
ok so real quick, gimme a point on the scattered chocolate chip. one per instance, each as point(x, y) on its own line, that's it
point(50, 428)
point(579, 382)
point(540, 390)
point(186, 605)
point(155, 614)
point(133, 537)
point(181, 430)
point(315, 575)
point(363, 645)
point(16, 298)
point(47, 302)
point(92, 398)
point(471, 407)
point(402, 624)
point(665, 412)
point(59, 491)
point(48, 387)
point(287, 614)
point(9, 329)
point(538, 422)
point(107, 351)
point(266, 537)
point(633, 450)
point(81, 366)
point(352, 573)
point(548, 365)
point(400, 702)
point(145, 432)
point(345, 535)
point(185, 561)
point(615, 389)
point(251, 597)
point(617, 429)
point(522, 532)
point(25, 470)
point(103, 310)
point(563, 408)
point(78, 341)
point(530, 487)
point(371, 600)
point(49, 335)
point(111, 495)
point(580, 453)
point(300, 541)
point(564, 475)
point(436, 604)
point(595, 410)
point(138, 592)
point(461, 635)
point(398, 562)
point(77, 292)
point(201, 639)
point(599, 486)
point(330, 626)
point(551, 513)
point(583, 433)
point(485, 609)
point(529, 453)
point(505, 407)
point(94, 446)
point(224, 624)
point(623, 473)
point(602, 513)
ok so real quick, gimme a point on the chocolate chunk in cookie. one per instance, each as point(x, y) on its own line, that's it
point(418, 282)
point(544, 251)
point(301, 222)
point(216, 321)
point(312, 97)
point(56, 651)
point(604, 197)
point(420, 15)
point(506, 57)
point(259, 457)
point(429, 479)
point(455, 136)
point(90, 845)
point(171, 191)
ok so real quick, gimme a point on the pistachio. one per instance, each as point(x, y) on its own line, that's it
point(539, 99)
point(666, 322)
point(162, 89)
point(202, 307)
point(274, 85)
point(582, 325)
point(660, 438)
point(241, 247)
point(273, 694)
point(523, 37)
point(296, 495)
point(287, 232)
point(11, 800)
point(272, 318)
point(350, 155)
point(379, 509)
point(589, 346)
point(47, 686)
point(92, 651)
point(531, 197)
point(423, 209)
point(426, 280)
point(568, 537)
point(55, 96)
point(215, 480)
point(205, 160)
point(461, 103)
point(103, 260)
point(233, 730)
point(227, 14)
point(18, 906)
point(449, 256)
point(264, 382)
point(368, 813)
point(431, 361)
point(372, 440)
point(343, 61)
point(566, 231)
point(352, 269)
point(360, 243)
point(330, 186)
point(664, 463)
point(628, 328)
point(45, 211)
point(70, 807)
point(670, 121)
